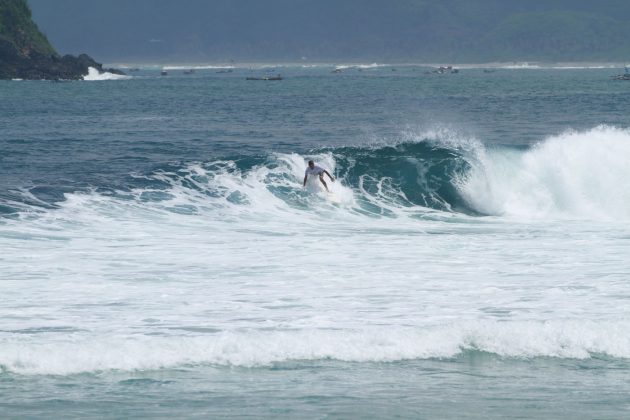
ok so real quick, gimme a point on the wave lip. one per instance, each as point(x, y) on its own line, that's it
point(524, 339)
point(95, 75)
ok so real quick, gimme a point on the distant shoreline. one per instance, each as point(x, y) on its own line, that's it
point(365, 65)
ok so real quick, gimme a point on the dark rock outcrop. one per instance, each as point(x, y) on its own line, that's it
point(46, 67)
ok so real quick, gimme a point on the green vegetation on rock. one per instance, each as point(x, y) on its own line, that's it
point(18, 29)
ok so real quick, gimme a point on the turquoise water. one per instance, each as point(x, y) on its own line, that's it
point(473, 386)
point(160, 257)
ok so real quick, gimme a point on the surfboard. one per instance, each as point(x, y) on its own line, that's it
point(315, 187)
point(332, 197)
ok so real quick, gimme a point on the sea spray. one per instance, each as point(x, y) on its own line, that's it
point(95, 75)
point(572, 175)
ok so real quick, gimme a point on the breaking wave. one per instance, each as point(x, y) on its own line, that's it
point(572, 175)
point(95, 75)
point(575, 175)
point(560, 339)
point(220, 244)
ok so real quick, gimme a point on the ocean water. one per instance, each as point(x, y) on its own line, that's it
point(160, 258)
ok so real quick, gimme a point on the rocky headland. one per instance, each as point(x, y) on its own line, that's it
point(26, 53)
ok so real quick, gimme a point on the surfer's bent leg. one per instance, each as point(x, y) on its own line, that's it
point(321, 178)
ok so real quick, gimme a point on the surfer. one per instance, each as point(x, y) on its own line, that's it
point(317, 170)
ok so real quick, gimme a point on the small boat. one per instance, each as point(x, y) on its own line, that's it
point(164, 73)
point(265, 78)
point(625, 76)
point(445, 70)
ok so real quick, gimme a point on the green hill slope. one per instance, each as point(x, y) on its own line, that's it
point(18, 30)
point(25, 52)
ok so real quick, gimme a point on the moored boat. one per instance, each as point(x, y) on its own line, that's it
point(625, 76)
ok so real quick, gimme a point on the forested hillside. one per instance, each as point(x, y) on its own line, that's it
point(406, 30)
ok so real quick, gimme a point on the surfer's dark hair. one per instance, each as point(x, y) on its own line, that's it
point(310, 161)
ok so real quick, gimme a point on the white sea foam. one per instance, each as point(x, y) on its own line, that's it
point(199, 67)
point(518, 66)
point(78, 354)
point(572, 175)
point(360, 66)
point(95, 75)
point(583, 67)
point(539, 66)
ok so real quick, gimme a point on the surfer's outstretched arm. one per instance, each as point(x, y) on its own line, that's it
point(329, 175)
point(304, 183)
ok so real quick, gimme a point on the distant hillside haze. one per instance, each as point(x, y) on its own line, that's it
point(321, 30)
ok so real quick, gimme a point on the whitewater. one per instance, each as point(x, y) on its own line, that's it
point(445, 257)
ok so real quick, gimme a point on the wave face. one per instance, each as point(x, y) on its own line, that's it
point(409, 174)
point(575, 175)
